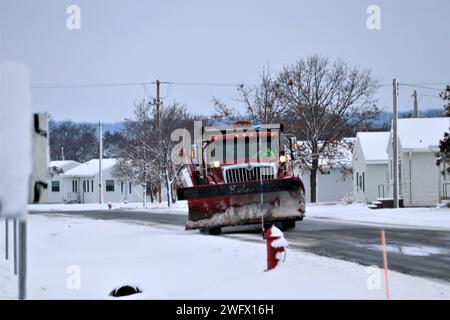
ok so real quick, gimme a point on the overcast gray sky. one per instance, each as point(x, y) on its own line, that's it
point(221, 41)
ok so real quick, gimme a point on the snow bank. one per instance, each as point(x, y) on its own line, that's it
point(178, 207)
point(174, 264)
point(419, 217)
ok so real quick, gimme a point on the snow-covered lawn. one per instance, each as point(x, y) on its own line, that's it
point(418, 217)
point(169, 263)
point(178, 207)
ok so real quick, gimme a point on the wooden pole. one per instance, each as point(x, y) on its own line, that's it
point(395, 146)
point(416, 105)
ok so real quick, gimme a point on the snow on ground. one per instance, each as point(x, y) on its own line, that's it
point(8, 282)
point(417, 217)
point(178, 207)
point(170, 263)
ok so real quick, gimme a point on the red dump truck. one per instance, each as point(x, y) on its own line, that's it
point(241, 174)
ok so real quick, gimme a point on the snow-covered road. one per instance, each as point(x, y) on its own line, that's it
point(167, 262)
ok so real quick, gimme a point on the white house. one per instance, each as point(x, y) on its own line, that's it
point(81, 184)
point(420, 180)
point(334, 179)
point(57, 169)
point(370, 166)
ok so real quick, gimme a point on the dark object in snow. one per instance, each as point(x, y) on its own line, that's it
point(125, 291)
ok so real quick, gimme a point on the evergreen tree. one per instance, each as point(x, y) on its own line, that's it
point(443, 155)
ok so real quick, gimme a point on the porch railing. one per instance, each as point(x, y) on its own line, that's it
point(72, 197)
point(446, 190)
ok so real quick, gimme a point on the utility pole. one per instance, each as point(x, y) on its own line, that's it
point(100, 140)
point(416, 105)
point(62, 153)
point(158, 127)
point(395, 145)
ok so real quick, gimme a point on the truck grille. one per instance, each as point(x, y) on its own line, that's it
point(244, 174)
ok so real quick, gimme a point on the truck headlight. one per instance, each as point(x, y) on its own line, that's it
point(216, 164)
point(283, 159)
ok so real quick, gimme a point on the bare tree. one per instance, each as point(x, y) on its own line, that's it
point(173, 116)
point(262, 103)
point(142, 158)
point(325, 99)
point(136, 157)
point(225, 113)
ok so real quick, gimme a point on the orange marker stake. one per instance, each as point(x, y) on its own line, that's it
point(385, 263)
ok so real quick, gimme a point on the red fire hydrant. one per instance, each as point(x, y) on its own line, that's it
point(276, 246)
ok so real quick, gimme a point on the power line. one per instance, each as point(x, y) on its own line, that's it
point(90, 85)
point(129, 84)
point(199, 84)
point(419, 86)
point(430, 95)
point(208, 84)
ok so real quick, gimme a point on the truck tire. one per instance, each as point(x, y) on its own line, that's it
point(287, 225)
point(215, 231)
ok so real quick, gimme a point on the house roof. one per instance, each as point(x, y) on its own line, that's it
point(90, 168)
point(62, 163)
point(373, 145)
point(421, 134)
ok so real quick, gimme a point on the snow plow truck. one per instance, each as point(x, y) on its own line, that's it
point(241, 174)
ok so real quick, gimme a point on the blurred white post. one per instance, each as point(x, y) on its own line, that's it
point(16, 153)
point(22, 259)
point(100, 176)
point(15, 245)
point(6, 239)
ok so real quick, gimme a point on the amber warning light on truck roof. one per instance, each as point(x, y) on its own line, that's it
point(242, 135)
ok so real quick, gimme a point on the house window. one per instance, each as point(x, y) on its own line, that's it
point(357, 181)
point(87, 185)
point(74, 186)
point(129, 187)
point(326, 172)
point(363, 182)
point(110, 185)
point(84, 185)
point(121, 186)
point(55, 186)
point(92, 185)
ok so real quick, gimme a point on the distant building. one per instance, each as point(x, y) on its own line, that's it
point(420, 180)
point(57, 169)
point(334, 178)
point(370, 166)
point(81, 185)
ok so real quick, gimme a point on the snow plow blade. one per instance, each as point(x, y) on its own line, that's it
point(242, 203)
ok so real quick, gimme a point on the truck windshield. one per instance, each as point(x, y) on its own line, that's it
point(237, 150)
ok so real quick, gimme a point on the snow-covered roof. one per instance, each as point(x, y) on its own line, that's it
point(90, 168)
point(62, 163)
point(373, 145)
point(421, 134)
